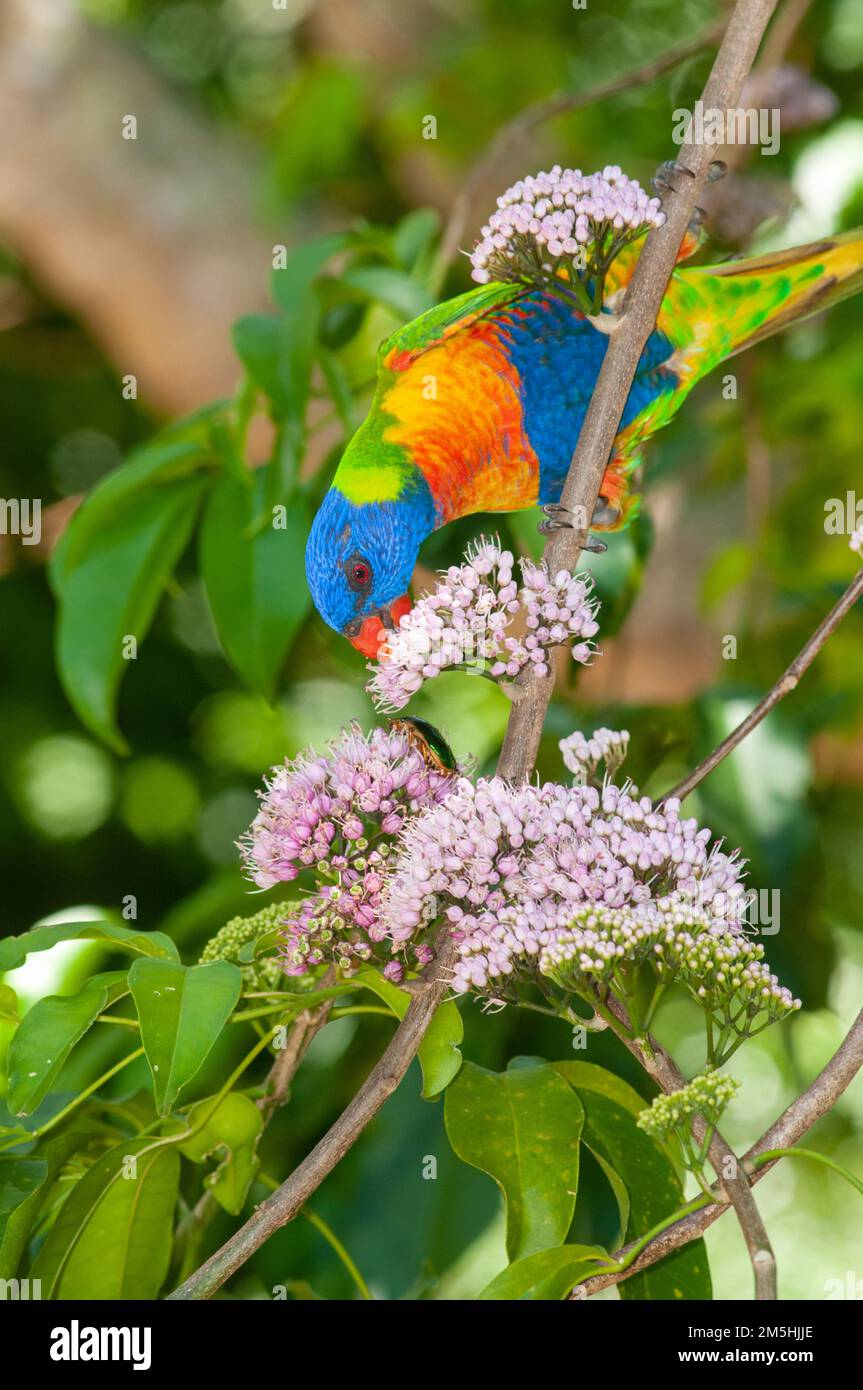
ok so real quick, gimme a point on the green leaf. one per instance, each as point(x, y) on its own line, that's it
point(256, 339)
point(113, 1236)
point(256, 584)
point(278, 353)
point(154, 464)
point(682, 1275)
point(272, 350)
point(182, 1009)
point(24, 1187)
point(414, 236)
point(650, 1179)
point(615, 1182)
point(263, 945)
point(232, 1134)
point(439, 1054)
point(111, 593)
point(47, 1034)
point(283, 471)
point(549, 1274)
point(587, 1076)
point(197, 426)
point(14, 950)
point(522, 1128)
point(339, 386)
point(19, 1179)
point(398, 291)
point(303, 265)
point(8, 1005)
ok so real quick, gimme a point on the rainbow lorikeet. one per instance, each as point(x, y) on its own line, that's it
point(479, 403)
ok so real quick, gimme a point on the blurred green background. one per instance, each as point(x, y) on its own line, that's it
point(259, 126)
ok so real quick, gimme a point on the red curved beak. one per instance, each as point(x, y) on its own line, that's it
point(373, 633)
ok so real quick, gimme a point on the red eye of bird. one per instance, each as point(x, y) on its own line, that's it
point(360, 574)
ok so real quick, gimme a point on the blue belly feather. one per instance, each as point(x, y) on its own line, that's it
point(558, 356)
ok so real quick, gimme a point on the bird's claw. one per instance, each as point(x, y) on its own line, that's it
point(717, 170)
point(559, 518)
point(663, 180)
point(555, 518)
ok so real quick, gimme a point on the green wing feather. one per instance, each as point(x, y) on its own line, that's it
point(442, 320)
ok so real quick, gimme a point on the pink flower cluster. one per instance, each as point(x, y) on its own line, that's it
point(509, 866)
point(856, 541)
point(583, 755)
point(573, 883)
point(553, 219)
point(337, 814)
point(466, 624)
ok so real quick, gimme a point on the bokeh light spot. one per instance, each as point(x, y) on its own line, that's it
point(159, 800)
point(66, 786)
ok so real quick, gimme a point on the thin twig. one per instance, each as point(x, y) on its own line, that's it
point(786, 683)
point(287, 1063)
point(335, 1244)
point(559, 104)
point(815, 1102)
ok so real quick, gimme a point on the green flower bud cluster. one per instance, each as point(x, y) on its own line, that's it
point(237, 939)
point(706, 1095)
point(727, 974)
point(721, 968)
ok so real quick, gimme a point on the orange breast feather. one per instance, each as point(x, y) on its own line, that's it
point(457, 409)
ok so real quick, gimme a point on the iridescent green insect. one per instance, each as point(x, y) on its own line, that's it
point(429, 742)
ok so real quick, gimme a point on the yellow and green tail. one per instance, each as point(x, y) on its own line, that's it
point(711, 313)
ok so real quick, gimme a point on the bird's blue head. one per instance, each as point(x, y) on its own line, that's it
point(359, 561)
